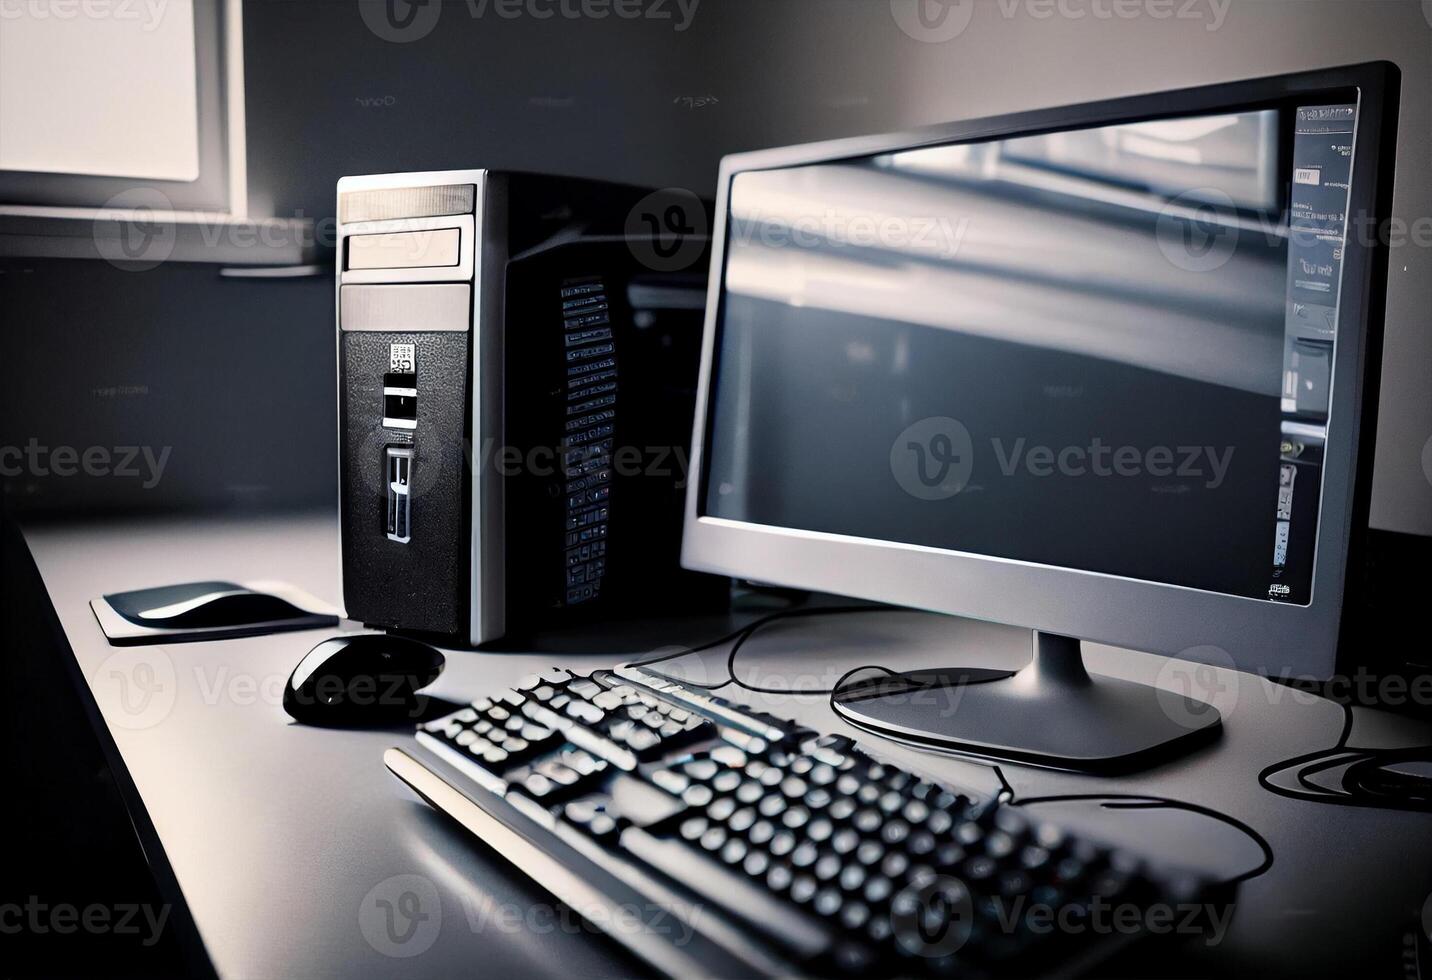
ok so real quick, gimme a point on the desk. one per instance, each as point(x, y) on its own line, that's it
point(276, 833)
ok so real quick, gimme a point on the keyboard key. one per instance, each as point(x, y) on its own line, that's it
point(761, 832)
point(701, 769)
point(878, 889)
point(721, 809)
point(895, 831)
point(817, 799)
point(585, 688)
point(607, 700)
point(729, 756)
point(771, 806)
point(643, 741)
point(854, 915)
point(828, 901)
point(725, 782)
point(585, 712)
point(673, 782)
point(791, 928)
point(803, 889)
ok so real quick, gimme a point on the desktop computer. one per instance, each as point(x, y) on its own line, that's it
point(515, 396)
point(1104, 372)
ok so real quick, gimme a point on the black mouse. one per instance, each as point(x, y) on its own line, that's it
point(366, 678)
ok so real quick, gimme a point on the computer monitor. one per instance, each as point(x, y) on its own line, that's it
point(1100, 371)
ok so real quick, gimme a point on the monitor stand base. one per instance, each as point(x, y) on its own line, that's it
point(1051, 713)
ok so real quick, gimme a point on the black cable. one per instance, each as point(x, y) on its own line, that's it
point(794, 613)
point(740, 636)
point(1137, 801)
point(1347, 756)
point(754, 624)
point(1007, 797)
point(734, 635)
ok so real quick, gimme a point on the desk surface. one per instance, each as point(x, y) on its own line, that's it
point(278, 834)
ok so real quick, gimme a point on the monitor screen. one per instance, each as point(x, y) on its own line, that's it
point(1106, 349)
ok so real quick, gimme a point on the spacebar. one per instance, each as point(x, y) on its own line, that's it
point(783, 922)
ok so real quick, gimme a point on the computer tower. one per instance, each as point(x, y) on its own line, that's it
point(517, 362)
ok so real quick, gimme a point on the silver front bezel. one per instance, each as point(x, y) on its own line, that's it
point(1226, 630)
point(482, 262)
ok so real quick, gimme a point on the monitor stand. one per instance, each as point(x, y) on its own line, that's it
point(1051, 713)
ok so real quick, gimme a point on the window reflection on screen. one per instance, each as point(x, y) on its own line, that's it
point(1071, 348)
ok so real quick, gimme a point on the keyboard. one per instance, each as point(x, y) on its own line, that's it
point(712, 839)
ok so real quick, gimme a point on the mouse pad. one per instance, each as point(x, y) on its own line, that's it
point(208, 611)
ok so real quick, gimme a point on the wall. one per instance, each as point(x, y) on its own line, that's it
point(643, 101)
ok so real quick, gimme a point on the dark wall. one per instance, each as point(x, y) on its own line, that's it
point(328, 97)
point(640, 101)
point(228, 383)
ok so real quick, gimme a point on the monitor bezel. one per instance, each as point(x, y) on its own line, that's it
point(1254, 634)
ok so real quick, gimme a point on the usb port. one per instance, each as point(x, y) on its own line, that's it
point(397, 470)
point(400, 400)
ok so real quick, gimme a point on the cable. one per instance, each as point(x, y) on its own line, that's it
point(1136, 801)
point(1007, 796)
point(740, 636)
point(754, 624)
point(794, 613)
point(1349, 758)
